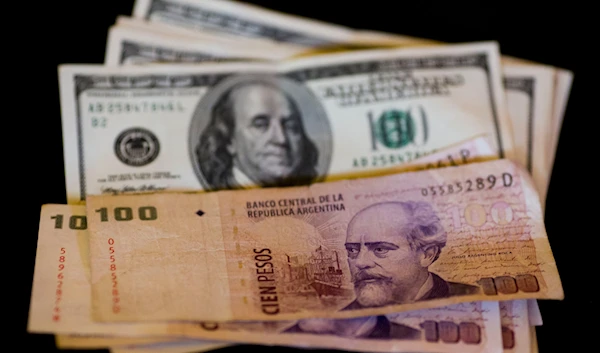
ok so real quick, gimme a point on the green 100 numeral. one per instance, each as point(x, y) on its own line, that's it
point(146, 213)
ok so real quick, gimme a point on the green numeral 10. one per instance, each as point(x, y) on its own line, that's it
point(75, 222)
point(146, 213)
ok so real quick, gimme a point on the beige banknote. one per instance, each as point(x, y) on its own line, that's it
point(76, 341)
point(78, 269)
point(231, 125)
point(465, 327)
point(516, 336)
point(183, 346)
point(534, 342)
point(470, 327)
point(472, 232)
point(62, 269)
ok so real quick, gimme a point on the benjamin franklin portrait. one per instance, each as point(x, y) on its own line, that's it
point(257, 135)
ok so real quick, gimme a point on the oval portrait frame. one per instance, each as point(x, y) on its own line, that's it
point(314, 117)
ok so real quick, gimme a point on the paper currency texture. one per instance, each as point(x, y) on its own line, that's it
point(234, 125)
point(465, 327)
point(340, 249)
point(516, 336)
point(184, 346)
point(77, 341)
point(534, 313)
point(232, 18)
point(62, 269)
point(134, 45)
point(472, 327)
point(529, 94)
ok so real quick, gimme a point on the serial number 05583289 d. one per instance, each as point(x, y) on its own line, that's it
point(469, 185)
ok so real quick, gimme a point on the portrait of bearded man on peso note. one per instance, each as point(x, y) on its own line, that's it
point(390, 247)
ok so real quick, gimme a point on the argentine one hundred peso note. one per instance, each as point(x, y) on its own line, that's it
point(62, 267)
point(367, 246)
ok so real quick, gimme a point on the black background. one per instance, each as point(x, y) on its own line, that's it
point(42, 36)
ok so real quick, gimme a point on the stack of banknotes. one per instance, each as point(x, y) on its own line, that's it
point(236, 175)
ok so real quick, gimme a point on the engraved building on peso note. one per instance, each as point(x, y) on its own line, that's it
point(320, 274)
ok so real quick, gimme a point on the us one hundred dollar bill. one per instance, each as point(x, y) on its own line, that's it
point(469, 327)
point(231, 19)
point(525, 103)
point(244, 21)
point(562, 89)
point(530, 89)
point(479, 228)
point(237, 19)
point(133, 41)
point(529, 93)
point(233, 125)
point(141, 43)
point(562, 82)
point(217, 37)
